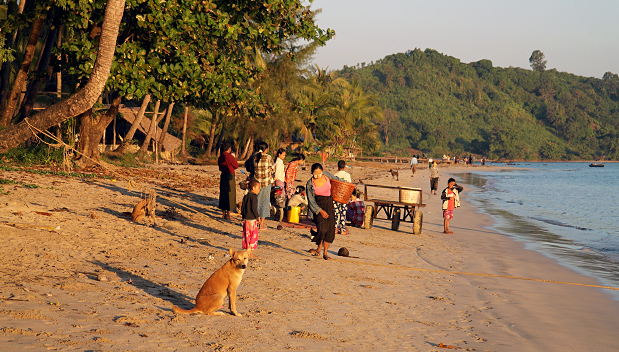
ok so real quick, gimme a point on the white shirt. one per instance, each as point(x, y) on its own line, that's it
point(279, 174)
point(297, 200)
point(343, 175)
point(414, 161)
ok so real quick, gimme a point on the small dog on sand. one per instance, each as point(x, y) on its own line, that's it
point(395, 174)
point(222, 283)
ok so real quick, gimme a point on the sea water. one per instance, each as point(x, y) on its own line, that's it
point(567, 211)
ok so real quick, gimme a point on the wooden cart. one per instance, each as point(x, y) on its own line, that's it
point(405, 209)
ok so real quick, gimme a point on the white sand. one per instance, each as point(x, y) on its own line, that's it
point(100, 282)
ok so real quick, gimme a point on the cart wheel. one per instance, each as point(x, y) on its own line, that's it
point(368, 218)
point(395, 220)
point(417, 222)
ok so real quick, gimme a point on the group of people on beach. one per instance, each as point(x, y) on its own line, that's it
point(329, 216)
point(264, 173)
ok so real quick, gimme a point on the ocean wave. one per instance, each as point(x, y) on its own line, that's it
point(558, 223)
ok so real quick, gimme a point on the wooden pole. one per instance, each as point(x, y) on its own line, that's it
point(184, 130)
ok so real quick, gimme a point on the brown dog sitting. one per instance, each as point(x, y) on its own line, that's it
point(222, 283)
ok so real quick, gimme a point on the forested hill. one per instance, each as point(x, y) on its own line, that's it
point(438, 104)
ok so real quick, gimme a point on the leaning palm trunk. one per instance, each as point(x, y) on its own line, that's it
point(134, 126)
point(151, 130)
point(164, 131)
point(85, 98)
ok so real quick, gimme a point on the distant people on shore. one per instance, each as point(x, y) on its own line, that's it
point(340, 208)
point(434, 177)
point(414, 163)
point(451, 200)
point(291, 174)
point(227, 184)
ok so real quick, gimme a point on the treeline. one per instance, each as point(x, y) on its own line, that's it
point(234, 70)
point(437, 104)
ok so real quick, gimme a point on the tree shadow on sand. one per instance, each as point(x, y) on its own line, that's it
point(152, 288)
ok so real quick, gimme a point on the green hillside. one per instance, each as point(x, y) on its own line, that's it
point(438, 104)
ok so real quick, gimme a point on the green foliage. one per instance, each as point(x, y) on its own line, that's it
point(123, 159)
point(38, 154)
point(56, 173)
point(445, 106)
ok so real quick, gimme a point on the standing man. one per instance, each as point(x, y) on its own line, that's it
point(414, 164)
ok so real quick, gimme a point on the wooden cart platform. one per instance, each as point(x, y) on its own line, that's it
point(396, 211)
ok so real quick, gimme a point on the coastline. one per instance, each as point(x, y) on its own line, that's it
point(101, 282)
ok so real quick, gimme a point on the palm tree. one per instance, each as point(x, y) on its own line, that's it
point(82, 100)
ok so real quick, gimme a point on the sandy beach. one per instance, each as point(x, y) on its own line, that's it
point(78, 275)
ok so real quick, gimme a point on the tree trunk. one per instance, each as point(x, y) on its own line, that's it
point(211, 135)
point(134, 126)
point(41, 75)
point(5, 72)
point(184, 130)
point(92, 130)
point(151, 130)
point(248, 147)
point(164, 131)
point(8, 108)
point(85, 98)
point(220, 138)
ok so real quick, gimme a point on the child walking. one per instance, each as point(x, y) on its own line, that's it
point(451, 200)
point(249, 212)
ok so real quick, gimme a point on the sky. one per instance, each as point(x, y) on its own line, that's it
point(576, 36)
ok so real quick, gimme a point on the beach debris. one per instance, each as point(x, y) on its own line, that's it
point(93, 215)
point(279, 227)
point(442, 345)
point(18, 213)
point(23, 226)
point(307, 335)
point(102, 278)
point(436, 298)
point(172, 213)
point(343, 252)
point(133, 325)
point(43, 213)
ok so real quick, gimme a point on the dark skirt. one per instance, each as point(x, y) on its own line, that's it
point(227, 191)
point(434, 184)
point(325, 227)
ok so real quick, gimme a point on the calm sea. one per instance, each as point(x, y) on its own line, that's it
point(567, 211)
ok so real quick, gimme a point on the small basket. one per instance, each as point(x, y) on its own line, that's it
point(341, 191)
point(409, 196)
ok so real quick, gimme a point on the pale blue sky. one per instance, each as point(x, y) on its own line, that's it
point(577, 36)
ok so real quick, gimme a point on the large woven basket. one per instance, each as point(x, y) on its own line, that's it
point(341, 191)
point(409, 196)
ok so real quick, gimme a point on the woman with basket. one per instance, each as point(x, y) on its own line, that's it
point(320, 199)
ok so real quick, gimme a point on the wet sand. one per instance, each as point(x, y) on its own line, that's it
point(79, 275)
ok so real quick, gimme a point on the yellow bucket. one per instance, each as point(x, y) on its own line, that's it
point(293, 214)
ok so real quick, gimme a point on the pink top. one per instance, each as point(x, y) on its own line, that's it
point(324, 190)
